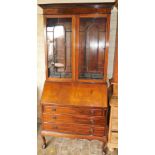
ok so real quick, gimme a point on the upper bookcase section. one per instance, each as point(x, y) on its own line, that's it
point(77, 41)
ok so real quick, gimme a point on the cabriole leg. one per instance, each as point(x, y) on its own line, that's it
point(44, 142)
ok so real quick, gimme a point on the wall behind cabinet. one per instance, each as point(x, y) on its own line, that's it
point(113, 27)
point(40, 57)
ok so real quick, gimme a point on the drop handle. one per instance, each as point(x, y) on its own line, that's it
point(92, 112)
point(55, 127)
point(53, 109)
point(92, 121)
point(54, 117)
point(91, 131)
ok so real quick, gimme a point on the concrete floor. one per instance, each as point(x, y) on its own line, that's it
point(66, 146)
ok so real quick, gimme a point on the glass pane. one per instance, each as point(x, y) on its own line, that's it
point(59, 33)
point(92, 48)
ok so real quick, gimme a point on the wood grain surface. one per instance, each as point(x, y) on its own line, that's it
point(91, 95)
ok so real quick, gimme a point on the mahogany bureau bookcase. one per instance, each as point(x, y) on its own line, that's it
point(74, 99)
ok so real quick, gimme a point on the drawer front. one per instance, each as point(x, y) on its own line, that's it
point(114, 137)
point(114, 111)
point(73, 111)
point(114, 124)
point(57, 118)
point(74, 129)
point(99, 131)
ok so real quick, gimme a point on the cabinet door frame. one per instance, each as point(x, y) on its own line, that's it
point(107, 16)
point(72, 17)
point(75, 48)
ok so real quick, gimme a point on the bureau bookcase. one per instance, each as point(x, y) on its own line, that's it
point(74, 99)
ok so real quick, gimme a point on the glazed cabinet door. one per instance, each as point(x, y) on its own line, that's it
point(92, 48)
point(59, 48)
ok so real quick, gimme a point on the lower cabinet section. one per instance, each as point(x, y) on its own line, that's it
point(76, 122)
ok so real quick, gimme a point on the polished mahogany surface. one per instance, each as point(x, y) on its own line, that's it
point(75, 94)
point(79, 119)
point(82, 8)
point(92, 47)
point(73, 110)
point(74, 129)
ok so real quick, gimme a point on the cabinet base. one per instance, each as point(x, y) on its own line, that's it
point(56, 134)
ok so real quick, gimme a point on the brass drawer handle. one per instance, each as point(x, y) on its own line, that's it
point(91, 131)
point(92, 121)
point(92, 112)
point(53, 109)
point(54, 127)
point(54, 117)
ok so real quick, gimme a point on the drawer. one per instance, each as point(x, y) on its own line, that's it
point(81, 119)
point(114, 124)
point(114, 112)
point(114, 137)
point(99, 131)
point(74, 129)
point(73, 110)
